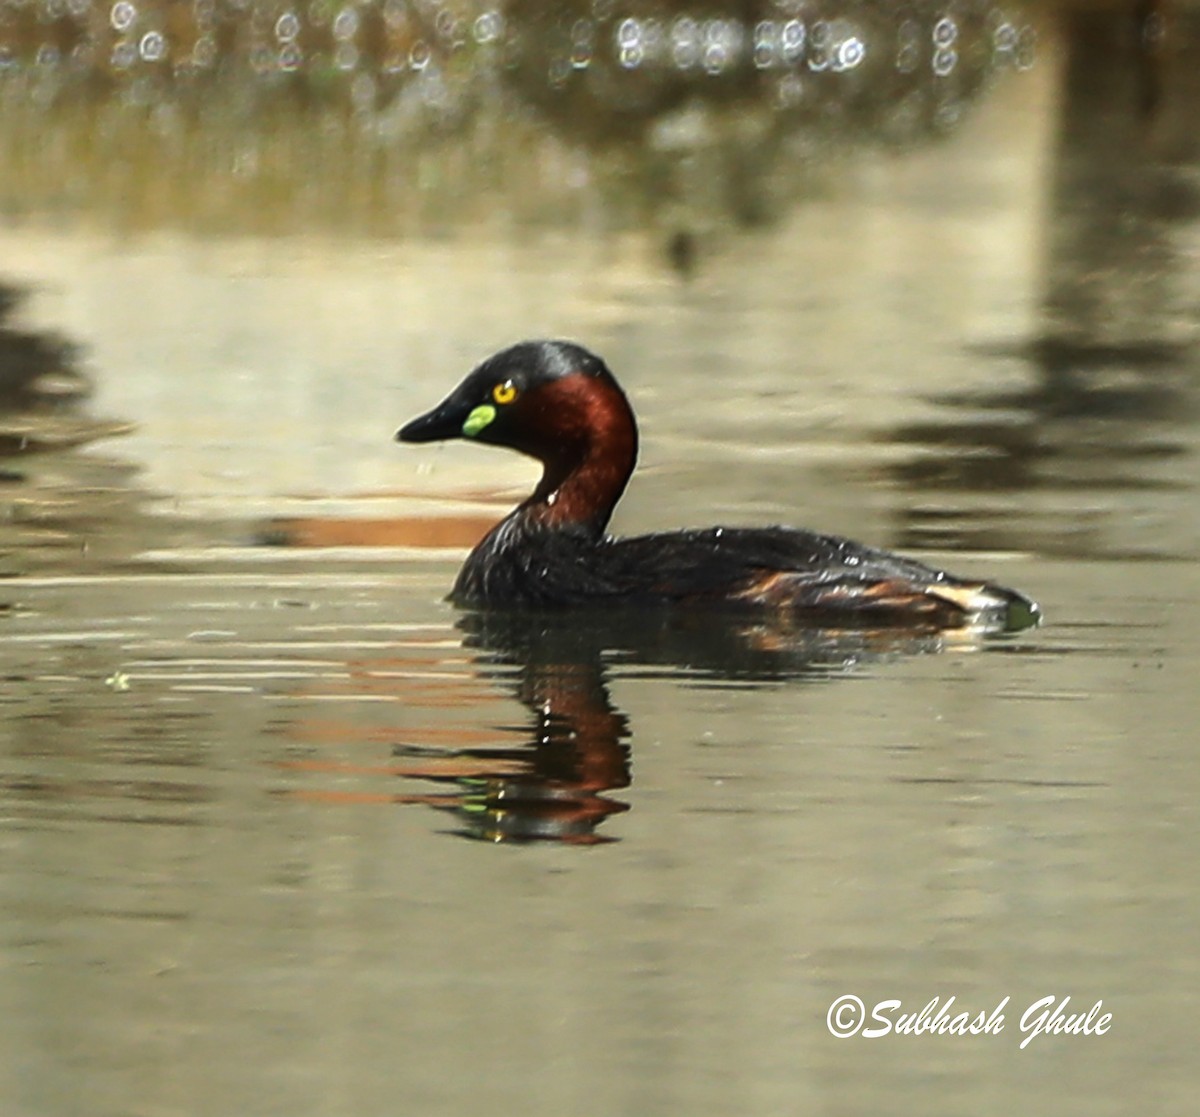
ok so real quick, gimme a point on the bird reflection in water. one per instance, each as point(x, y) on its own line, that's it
point(555, 787)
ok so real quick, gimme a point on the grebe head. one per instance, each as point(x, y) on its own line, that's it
point(556, 402)
point(532, 393)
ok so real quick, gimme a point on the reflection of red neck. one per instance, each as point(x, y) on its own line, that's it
point(588, 446)
point(577, 718)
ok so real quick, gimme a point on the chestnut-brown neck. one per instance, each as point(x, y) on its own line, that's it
point(586, 438)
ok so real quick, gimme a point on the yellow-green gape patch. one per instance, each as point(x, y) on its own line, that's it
point(478, 419)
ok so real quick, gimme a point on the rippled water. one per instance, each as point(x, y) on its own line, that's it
point(230, 809)
point(239, 783)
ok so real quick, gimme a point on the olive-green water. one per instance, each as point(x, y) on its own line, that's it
point(239, 784)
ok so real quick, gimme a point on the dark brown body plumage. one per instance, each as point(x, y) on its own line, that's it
point(560, 404)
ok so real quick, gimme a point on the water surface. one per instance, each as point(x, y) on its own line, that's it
point(243, 787)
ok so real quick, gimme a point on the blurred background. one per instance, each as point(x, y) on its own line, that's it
point(925, 273)
point(948, 249)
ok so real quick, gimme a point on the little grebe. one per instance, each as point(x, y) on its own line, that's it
point(557, 402)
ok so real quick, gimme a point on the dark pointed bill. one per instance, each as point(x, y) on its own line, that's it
point(444, 421)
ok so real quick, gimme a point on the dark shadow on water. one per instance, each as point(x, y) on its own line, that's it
point(1109, 396)
point(54, 500)
point(65, 510)
point(576, 746)
point(38, 373)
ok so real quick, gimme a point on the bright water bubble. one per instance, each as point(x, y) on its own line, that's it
point(820, 44)
point(850, 53)
point(795, 34)
point(1004, 38)
point(724, 39)
point(766, 44)
point(790, 91)
point(558, 72)
point(764, 56)
point(345, 24)
point(582, 31)
point(345, 56)
point(685, 43)
point(945, 32)
point(685, 31)
point(655, 36)
point(685, 56)
point(488, 27)
point(730, 33)
point(582, 38)
point(287, 27)
point(629, 33)
point(716, 58)
point(124, 54)
point(291, 58)
point(944, 61)
point(907, 58)
point(631, 58)
point(419, 55)
point(766, 32)
point(204, 53)
point(153, 47)
point(122, 15)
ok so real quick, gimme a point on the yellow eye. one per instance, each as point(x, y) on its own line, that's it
point(504, 393)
